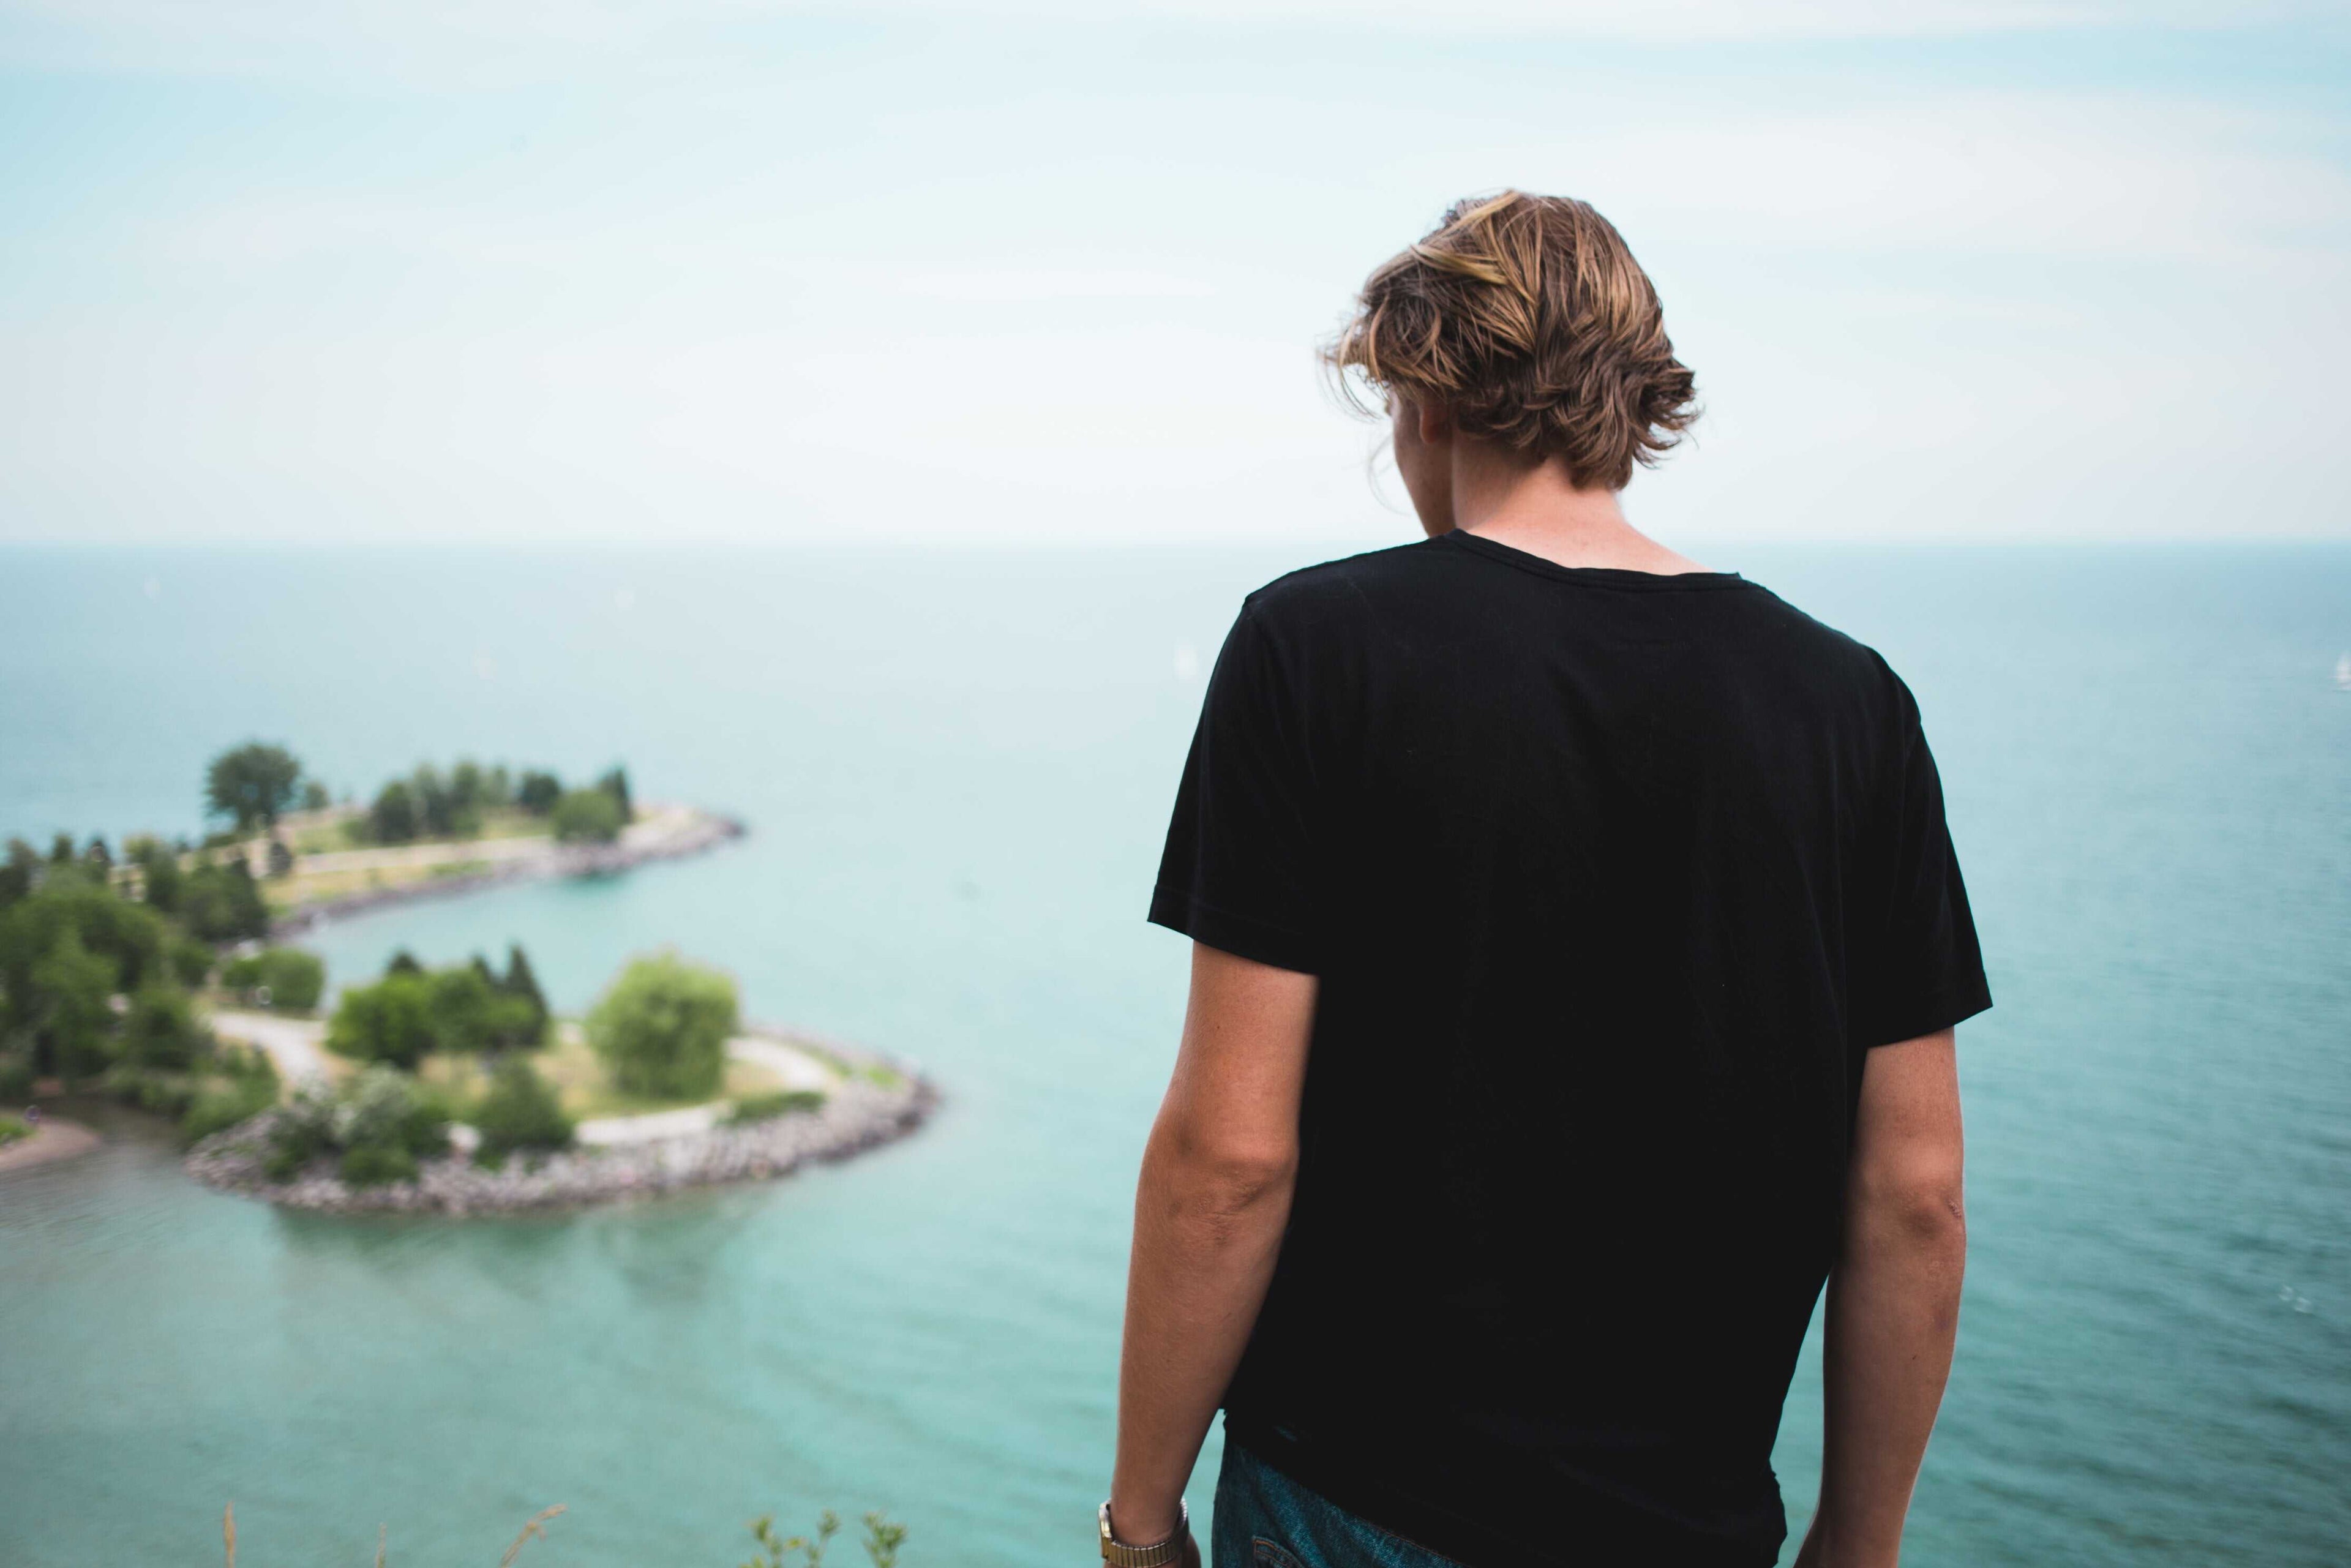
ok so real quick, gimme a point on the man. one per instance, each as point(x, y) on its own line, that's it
point(1577, 945)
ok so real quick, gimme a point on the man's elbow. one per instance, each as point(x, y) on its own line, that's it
point(1918, 1208)
point(1223, 1183)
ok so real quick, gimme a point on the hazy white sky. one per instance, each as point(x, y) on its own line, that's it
point(719, 269)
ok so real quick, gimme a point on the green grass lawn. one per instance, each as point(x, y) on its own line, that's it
point(578, 1076)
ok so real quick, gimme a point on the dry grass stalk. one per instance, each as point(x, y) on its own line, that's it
point(228, 1531)
point(536, 1526)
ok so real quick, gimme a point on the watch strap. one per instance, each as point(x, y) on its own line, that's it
point(1158, 1554)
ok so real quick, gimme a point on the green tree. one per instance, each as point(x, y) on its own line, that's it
point(22, 869)
point(519, 1112)
point(129, 936)
point(191, 961)
point(587, 816)
point(616, 784)
point(469, 786)
point(394, 817)
point(389, 1022)
point(223, 903)
point(252, 784)
point(315, 797)
point(161, 1028)
point(70, 986)
point(521, 984)
point(402, 961)
point(662, 1028)
point(436, 808)
point(471, 1014)
point(160, 866)
point(538, 792)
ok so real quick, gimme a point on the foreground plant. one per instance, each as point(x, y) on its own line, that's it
point(881, 1542)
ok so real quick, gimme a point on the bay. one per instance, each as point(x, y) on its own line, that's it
point(956, 766)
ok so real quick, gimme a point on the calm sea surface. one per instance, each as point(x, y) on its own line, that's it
point(956, 768)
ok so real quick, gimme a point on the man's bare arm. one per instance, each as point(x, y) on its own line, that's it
point(1893, 1301)
point(1208, 1218)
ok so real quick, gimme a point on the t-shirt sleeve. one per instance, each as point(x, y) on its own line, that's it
point(1238, 872)
point(1916, 968)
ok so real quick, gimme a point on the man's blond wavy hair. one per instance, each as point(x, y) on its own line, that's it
point(1528, 319)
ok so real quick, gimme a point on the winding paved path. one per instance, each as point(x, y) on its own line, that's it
point(294, 1045)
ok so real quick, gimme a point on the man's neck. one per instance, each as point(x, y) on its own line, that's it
point(1539, 511)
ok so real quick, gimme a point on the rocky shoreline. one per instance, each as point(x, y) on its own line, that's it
point(570, 860)
point(857, 1114)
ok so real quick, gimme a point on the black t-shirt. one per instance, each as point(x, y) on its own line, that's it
point(1611, 881)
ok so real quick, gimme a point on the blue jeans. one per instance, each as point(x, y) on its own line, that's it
point(1265, 1519)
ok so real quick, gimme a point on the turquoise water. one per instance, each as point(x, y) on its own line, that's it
point(956, 767)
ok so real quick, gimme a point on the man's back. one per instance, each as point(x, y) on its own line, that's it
point(1611, 879)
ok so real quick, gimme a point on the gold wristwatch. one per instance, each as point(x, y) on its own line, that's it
point(1119, 1554)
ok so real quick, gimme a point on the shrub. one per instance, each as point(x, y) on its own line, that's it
point(587, 816)
point(224, 1105)
point(16, 1078)
point(371, 1164)
point(662, 1028)
point(13, 1128)
point(767, 1107)
point(389, 1022)
point(384, 1107)
point(520, 1111)
point(293, 978)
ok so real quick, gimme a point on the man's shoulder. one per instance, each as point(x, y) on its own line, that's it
point(1823, 647)
point(1349, 584)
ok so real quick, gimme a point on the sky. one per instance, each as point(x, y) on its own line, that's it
point(516, 272)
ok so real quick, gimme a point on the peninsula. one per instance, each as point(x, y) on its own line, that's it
point(150, 978)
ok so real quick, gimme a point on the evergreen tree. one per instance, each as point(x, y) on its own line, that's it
point(616, 785)
point(538, 792)
point(523, 985)
point(403, 962)
point(161, 866)
point(16, 877)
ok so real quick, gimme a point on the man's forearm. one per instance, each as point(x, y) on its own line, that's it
point(1207, 1232)
point(1893, 1315)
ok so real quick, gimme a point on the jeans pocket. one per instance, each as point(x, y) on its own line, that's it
point(1268, 1556)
